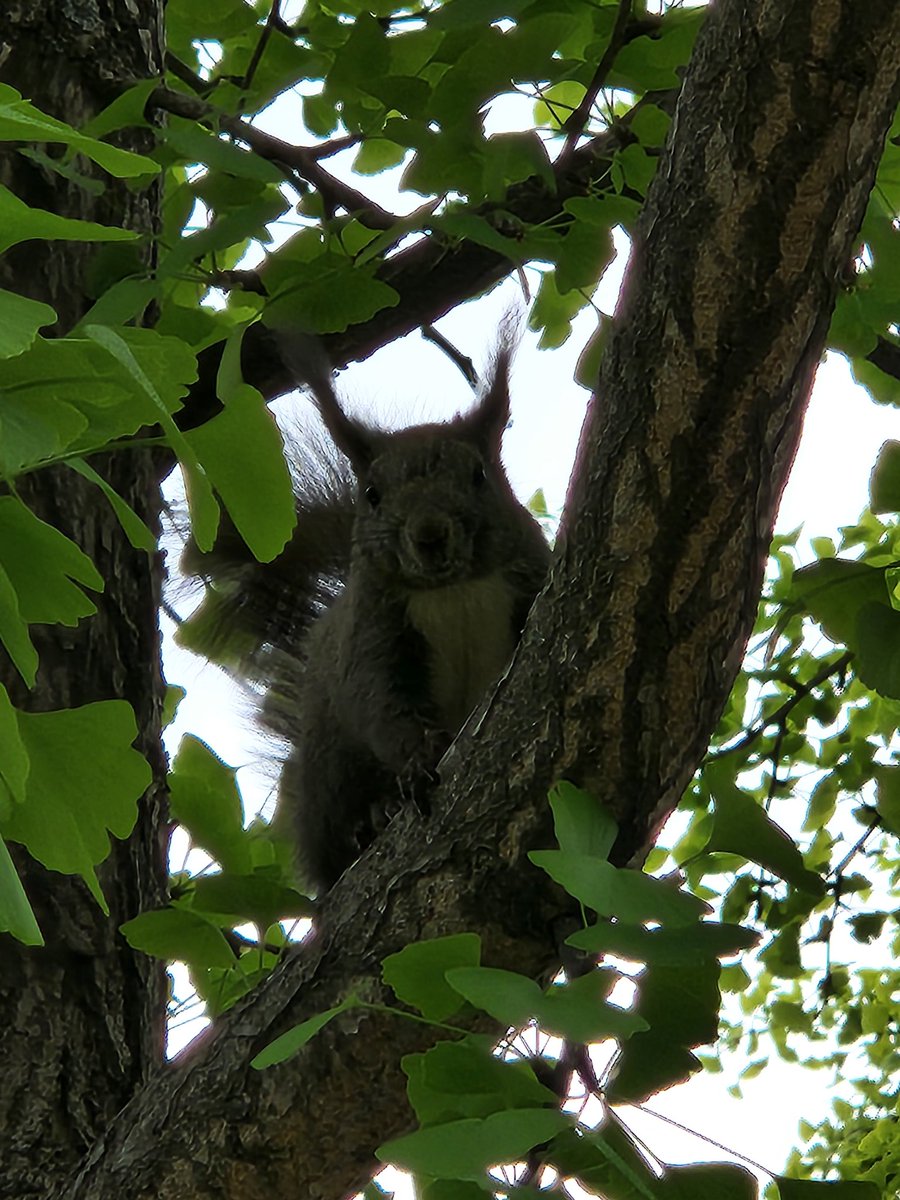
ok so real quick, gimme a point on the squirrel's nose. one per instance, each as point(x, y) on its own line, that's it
point(430, 534)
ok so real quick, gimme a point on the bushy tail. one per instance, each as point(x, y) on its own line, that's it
point(254, 614)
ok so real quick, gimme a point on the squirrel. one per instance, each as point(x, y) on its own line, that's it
point(396, 604)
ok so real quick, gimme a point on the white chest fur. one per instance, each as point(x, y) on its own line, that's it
point(469, 633)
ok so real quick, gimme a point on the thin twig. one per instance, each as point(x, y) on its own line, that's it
point(466, 366)
point(575, 124)
point(703, 1138)
point(271, 23)
point(297, 159)
point(854, 850)
point(779, 715)
point(190, 78)
point(247, 281)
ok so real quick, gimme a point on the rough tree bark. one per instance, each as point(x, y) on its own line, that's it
point(82, 1020)
point(629, 655)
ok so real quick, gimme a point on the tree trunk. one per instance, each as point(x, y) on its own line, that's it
point(82, 1020)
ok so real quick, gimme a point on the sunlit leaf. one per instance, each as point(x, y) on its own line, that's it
point(465, 1149)
point(20, 320)
point(417, 972)
point(83, 785)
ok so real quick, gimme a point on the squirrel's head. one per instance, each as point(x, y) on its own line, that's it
point(434, 505)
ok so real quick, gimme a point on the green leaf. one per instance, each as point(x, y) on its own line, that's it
point(581, 824)
point(16, 914)
point(14, 631)
point(204, 798)
point(466, 1079)
point(173, 697)
point(884, 483)
point(253, 898)
point(606, 1161)
point(328, 295)
point(557, 103)
point(669, 947)
point(176, 934)
point(461, 223)
point(378, 154)
point(651, 63)
point(614, 892)
point(96, 385)
point(852, 602)
point(127, 110)
point(587, 369)
point(633, 169)
point(584, 254)
point(14, 764)
point(21, 121)
point(445, 1189)
point(121, 302)
point(20, 320)
point(20, 223)
point(465, 1149)
point(866, 927)
point(650, 125)
point(228, 232)
point(289, 1043)
point(741, 826)
point(553, 311)
point(417, 973)
point(708, 1181)
point(202, 503)
point(84, 783)
point(604, 211)
point(512, 158)
point(508, 997)
point(681, 1008)
point(576, 1010)
point(806, 1189)
point(35, 429)
point(365, 53)
point(834, 590)
point(45, 568)
point(195, 144)
point(877, 644)
point(255, 485)
point(887, 793)
point(134, 528)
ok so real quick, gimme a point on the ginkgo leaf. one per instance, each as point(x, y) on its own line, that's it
point(83, 785)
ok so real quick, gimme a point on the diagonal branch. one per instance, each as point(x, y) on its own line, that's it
point(273, 22)
point(298, 159)
point(575, 124)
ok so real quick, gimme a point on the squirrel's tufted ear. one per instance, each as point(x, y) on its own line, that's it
point(303, 355)
point(485, 423)
point(355, 439)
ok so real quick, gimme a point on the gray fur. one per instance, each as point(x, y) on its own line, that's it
point(398, 601)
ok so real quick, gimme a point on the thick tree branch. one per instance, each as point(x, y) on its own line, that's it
point(630, 652)
point(886, 356)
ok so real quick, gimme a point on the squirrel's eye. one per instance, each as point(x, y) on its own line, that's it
point(478, 475)
point(373, 496)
